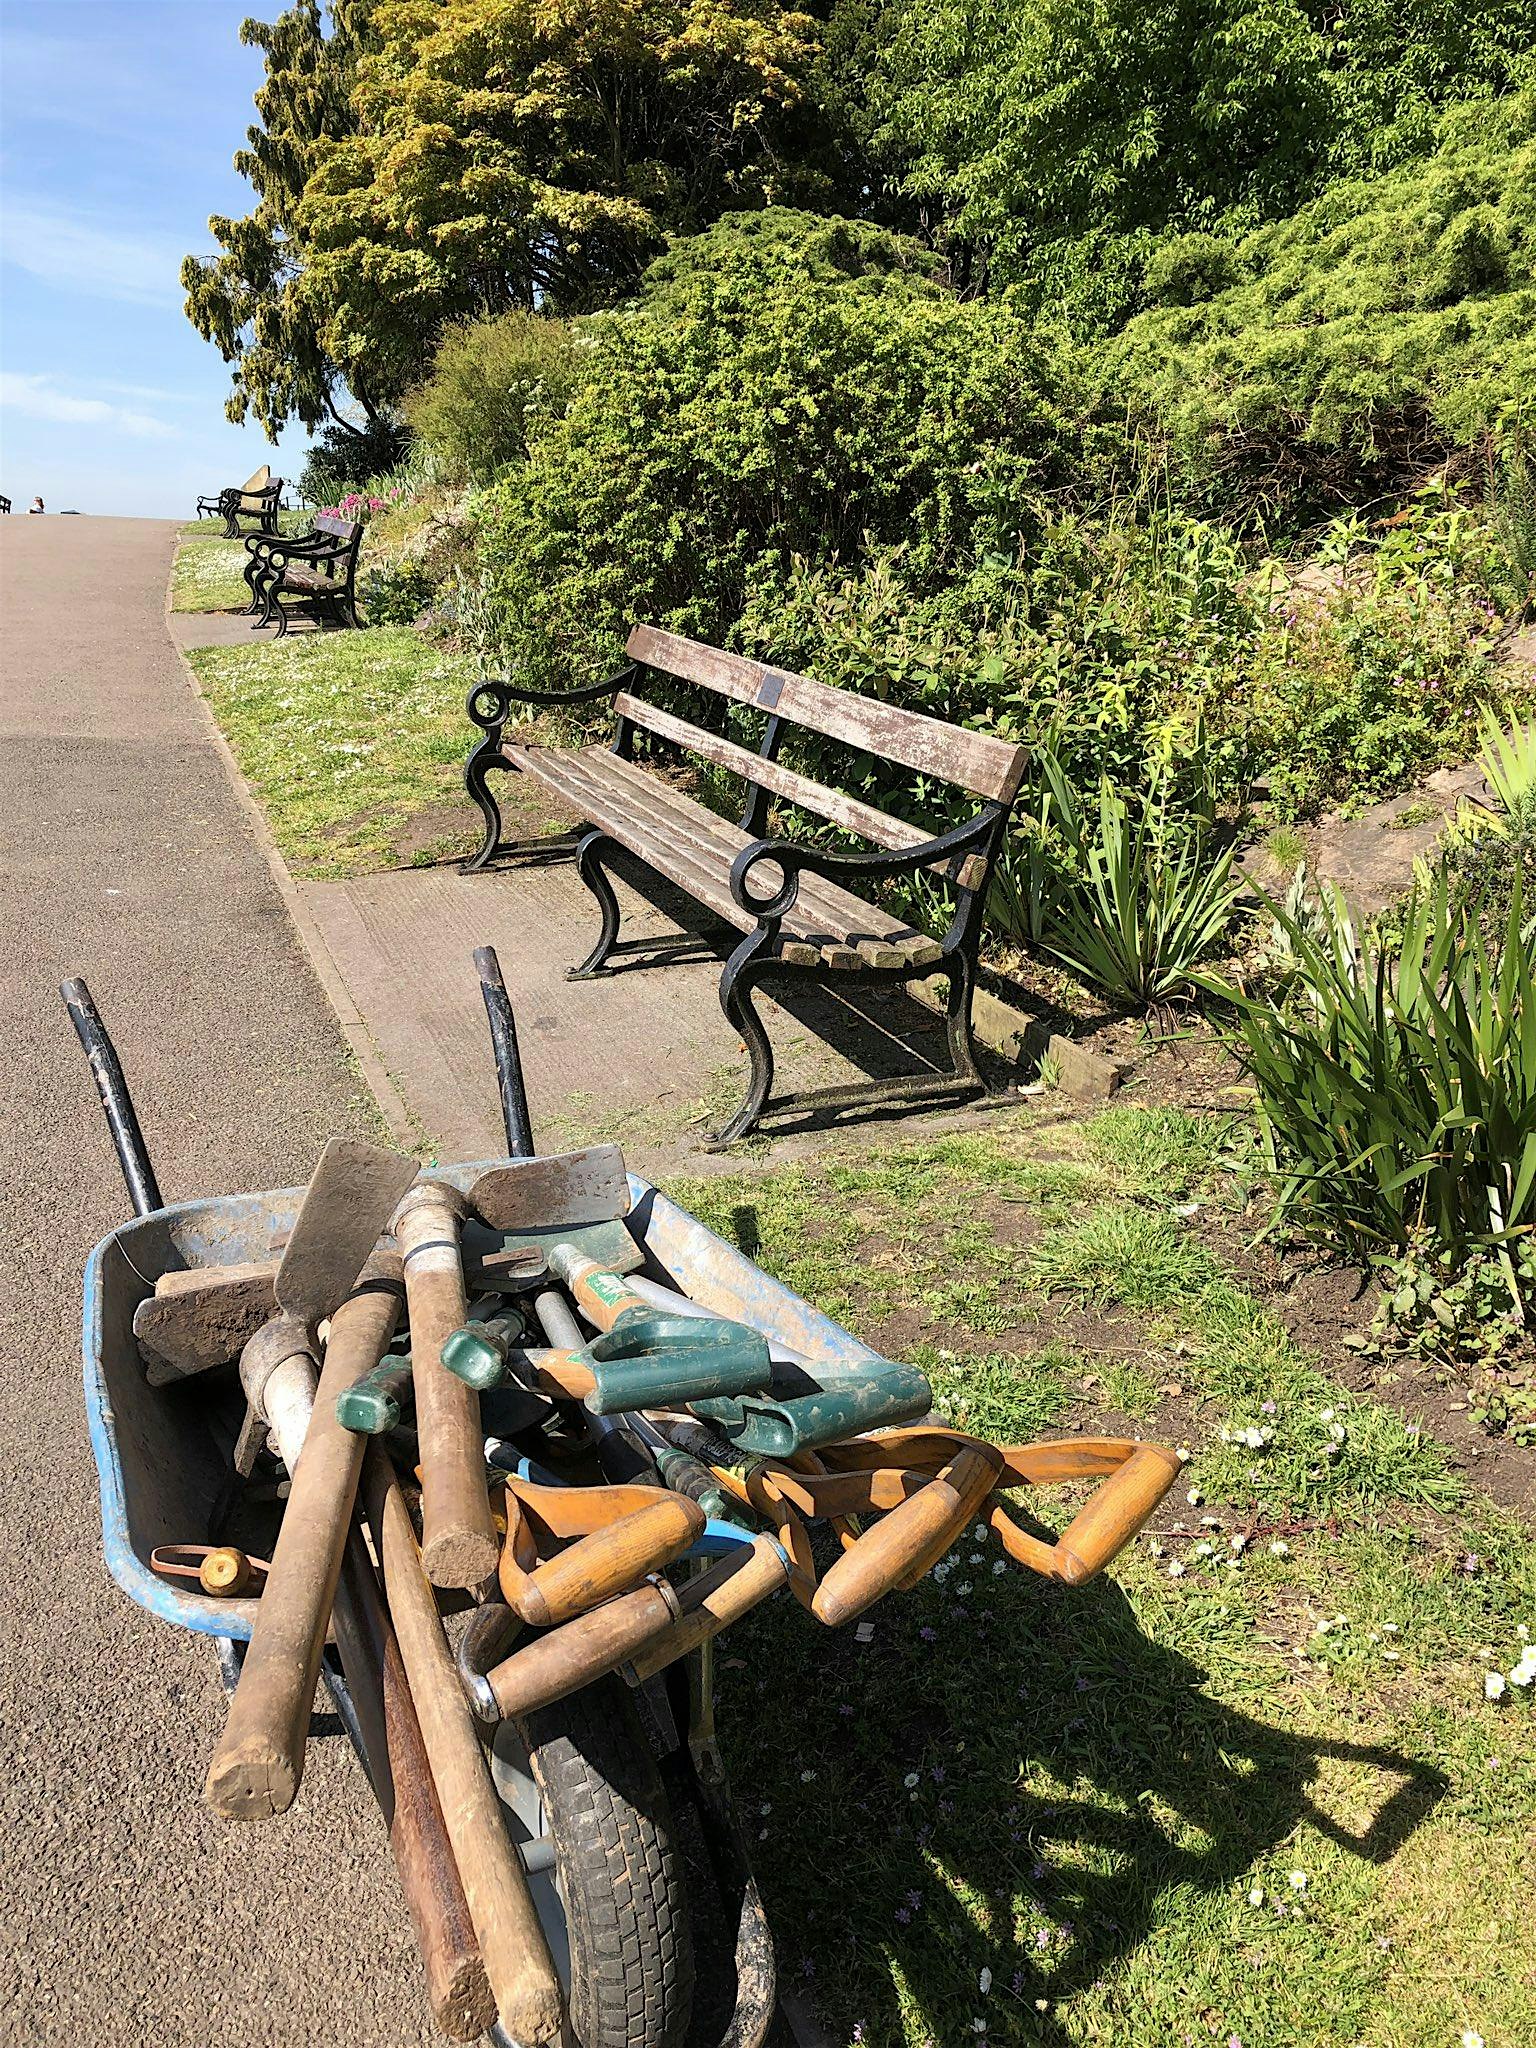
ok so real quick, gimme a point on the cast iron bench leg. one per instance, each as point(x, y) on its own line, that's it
point(591, 870)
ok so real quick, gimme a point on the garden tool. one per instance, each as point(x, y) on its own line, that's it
point(562, 1192)
point(219, 1569)
point(631, 1533)
point(650, 1627)
point(516, 1955)
point(1136, 1475)
point(807, 1408)
point(372, 1405)
point(259, 1759)
point(201, 1318)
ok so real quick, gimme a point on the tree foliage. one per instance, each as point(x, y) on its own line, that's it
point(1058, 139)
point(253, 299)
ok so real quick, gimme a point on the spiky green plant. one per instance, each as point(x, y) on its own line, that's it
point(1397, 1091)
point(1507, 758)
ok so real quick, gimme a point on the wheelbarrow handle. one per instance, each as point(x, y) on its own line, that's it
point(910, 1540)
point(598, 1566)
point(1102, 1526)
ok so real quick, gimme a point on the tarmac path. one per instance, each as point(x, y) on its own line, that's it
point(129, 1913)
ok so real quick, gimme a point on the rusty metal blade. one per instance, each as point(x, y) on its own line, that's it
point(563, 1189)
point(352, 1194)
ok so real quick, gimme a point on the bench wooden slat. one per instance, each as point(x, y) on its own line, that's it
point(822, 909)
point(980, 762)
point(691, 845)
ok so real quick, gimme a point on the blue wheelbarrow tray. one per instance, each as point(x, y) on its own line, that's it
point(164, 1470)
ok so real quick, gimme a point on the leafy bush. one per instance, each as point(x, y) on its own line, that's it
point(1390, 319)
point(395, 596)
point(744, 423)
point(490, 381)
point(343, 458)
point(1397, 1091)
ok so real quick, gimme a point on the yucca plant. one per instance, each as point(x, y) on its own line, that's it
point(1398, 1094)
point(1507, 758)
point(1149, 897)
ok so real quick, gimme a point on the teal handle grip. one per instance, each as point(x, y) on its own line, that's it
point(845, 1404)
point(682, 1359)
point(371, 1405)
point(477, 1354)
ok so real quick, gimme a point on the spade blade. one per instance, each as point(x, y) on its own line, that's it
point(352, 1194)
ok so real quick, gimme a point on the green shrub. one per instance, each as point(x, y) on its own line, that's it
point(1397, 1090)
point(1148, 894)
point(1389, 320)
point(395, 596)
point(491, 381)
point(746, 422)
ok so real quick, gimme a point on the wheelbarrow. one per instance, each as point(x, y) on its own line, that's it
point(586, 1782)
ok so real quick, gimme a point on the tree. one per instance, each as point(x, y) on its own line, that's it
point(253, 300)
point(517, 154)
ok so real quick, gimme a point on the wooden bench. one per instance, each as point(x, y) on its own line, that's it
point(319, 568)
point(795, 903)
point(257, 498)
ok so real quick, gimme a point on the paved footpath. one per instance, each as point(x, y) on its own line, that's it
point(130, 1915)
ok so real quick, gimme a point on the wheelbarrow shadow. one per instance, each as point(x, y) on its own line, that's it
point(1154, 1787)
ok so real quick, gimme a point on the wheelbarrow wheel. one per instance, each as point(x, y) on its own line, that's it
point(618, 1869)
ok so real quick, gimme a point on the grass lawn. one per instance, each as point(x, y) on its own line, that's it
point(349, 740)
point(1245, 1789)
point(207, 575)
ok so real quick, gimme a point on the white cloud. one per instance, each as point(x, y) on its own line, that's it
point(90, 254)
point(38, 397)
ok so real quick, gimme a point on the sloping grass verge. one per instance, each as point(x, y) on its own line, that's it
point(345, 738)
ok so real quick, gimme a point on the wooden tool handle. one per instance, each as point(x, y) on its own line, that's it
point(908, 1541)
point(458, 1539)
point(457, 1987)
point(259, 1760)
point(1103, 1527)
point(583, 1650)
point(609, 1561)
point(602, 1297)
point(517, 1959)
point(714, 1600)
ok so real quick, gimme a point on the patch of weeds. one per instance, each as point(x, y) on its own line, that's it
point(1129, 1388)
point(1157, 1154)
point(1121, 1254)
point(1004, 1396)
point(1287, 848)
point(342, 736)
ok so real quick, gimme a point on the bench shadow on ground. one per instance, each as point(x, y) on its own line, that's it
point(880, 1031)
point(1170, 1790)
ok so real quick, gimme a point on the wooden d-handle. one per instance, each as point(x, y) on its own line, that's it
point(596, 1567)
point(908, 1541)
point(582, 1650)
point(714, 1600)
point(1107, 1522)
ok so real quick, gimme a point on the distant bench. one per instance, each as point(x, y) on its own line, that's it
point(319, 568)
point(257, 498)
point(789, 899)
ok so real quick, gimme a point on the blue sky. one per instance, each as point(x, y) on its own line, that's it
point(118, 120)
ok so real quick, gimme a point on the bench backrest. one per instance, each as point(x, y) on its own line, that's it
point(345, 532)
point(978, 762)
point(259, 497)
point(256, 479)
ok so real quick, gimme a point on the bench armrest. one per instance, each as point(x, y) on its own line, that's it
point(305, 547)
point(490, 702)
point(791, 858)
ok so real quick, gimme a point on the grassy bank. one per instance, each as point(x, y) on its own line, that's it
point(354, 742)
point(1250, 1788)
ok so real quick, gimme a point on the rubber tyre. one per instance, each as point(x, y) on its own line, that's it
point(620, 1871)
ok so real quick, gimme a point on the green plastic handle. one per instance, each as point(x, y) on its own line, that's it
point(477, 1354)
point(844, 1404)
point(722, 1358)
point(371, 1405)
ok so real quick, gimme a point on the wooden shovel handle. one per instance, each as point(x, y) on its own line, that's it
point(259, 1759)
point(714, 1600)
point(910, 1540)
point(607, 1562)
